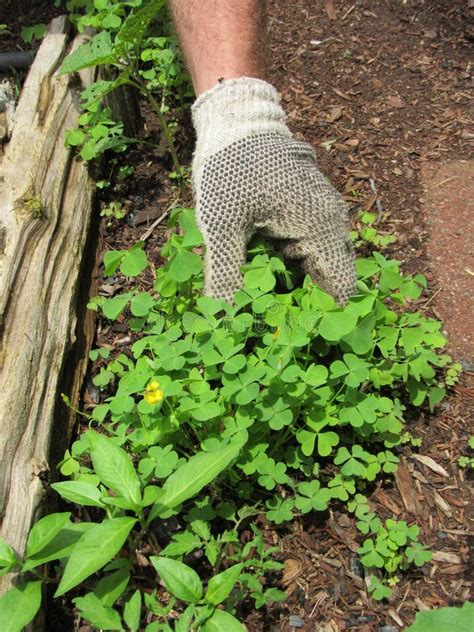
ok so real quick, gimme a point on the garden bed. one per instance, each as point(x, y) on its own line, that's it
point(379, 90)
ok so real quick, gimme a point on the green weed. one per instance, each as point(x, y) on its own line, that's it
point(281, 404)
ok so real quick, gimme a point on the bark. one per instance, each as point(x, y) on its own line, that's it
point(46, 204)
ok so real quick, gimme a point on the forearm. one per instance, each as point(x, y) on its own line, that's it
point(221, 39)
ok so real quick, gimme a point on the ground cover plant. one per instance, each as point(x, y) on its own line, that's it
point(277, 405)
point(134, 55)
point(223, 417)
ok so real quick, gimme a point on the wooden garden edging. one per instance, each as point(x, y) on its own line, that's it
point(46, 202)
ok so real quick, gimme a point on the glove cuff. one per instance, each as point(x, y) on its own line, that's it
point(232, 110)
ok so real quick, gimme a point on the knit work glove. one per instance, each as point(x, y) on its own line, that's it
point(250, 175)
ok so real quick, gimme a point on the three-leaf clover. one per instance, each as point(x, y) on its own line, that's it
point(418, 554)
point(312, 496)
point(379, 590)
point(280, 510)
point(370, 556)
point(272, 474)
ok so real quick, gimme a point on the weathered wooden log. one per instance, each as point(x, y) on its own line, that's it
point(46, 203)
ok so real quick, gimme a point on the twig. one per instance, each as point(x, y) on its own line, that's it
point(444, 182)
point(432, 297)
point(149, 231)
point(348, 12)
point(378, 203)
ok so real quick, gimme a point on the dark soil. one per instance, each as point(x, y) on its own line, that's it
point(381, 89)
point(17, 14)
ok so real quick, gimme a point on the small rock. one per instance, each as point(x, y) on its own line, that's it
point(356, 567)
point(467, 366)
point(138, 201)
point(388, 628)
point(94, 393)
point(296, 622)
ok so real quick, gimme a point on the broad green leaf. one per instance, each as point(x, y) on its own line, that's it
point(94, 53)
point(132, 611)
point(8, 558)
point(411, 339)
point(60, 547)
point(445, 619)
point(44, 531)
point(113, 307)
point(367, 267)
point(183, 624)
point(112, 259)
point(261, 278)
point(307, 440)
point(75, 137)
point(182, 581)
point(220, 586)
point(79, 492)
point(112, 586)
point(19, 605)
point(184, 265)
point(360, 339)
point(96, 547)
point(134, 27)
point(181, 544)
point(134, 261)
point(335, 325)
point(316, 375)
point(326, 442)
point(435, 396)
point(222, 621)
point(321, 300)
point(207, 411)
point(291, 373)
point(111, 21)
point(100, 615)
point(235, 364)
point(141, 304)
point(114, 467)
point(200, 470)
point(99, 89)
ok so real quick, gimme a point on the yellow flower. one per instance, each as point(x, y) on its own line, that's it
point(153, 394)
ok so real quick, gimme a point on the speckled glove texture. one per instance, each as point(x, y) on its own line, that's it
point(250, 175)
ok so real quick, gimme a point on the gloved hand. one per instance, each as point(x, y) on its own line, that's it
point(249, 175)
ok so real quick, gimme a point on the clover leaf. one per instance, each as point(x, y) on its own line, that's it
point(280, 510)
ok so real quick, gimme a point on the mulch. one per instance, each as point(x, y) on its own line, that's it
point(381, 89)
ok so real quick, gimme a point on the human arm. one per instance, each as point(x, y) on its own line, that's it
point(249, 174)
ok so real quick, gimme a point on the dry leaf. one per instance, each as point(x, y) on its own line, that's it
point(421, 604)
point(406, 487)
point(352, 142)
point(431, 463)
point(330, 9)
point(387, 502)
point(442, 504)
point(396, 102)
point(344, 521)
point(341, 94)
point(334, 115)
point(293, 569)
point(395, 617)
point(447, 556)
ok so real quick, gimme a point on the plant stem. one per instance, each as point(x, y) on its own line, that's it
point(136, 83)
